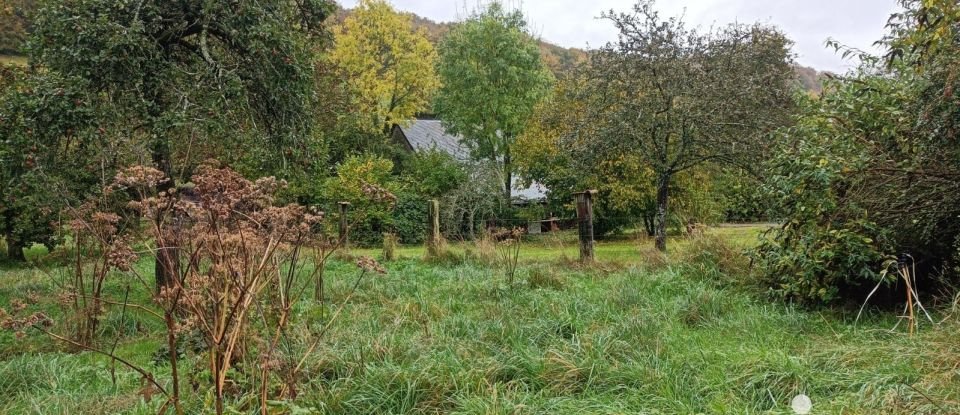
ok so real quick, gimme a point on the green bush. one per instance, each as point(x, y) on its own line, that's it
point(409, 219)
point(383, 202)
point(432, 173)
point(366, 183)
point(828, 249)
point(813, 264)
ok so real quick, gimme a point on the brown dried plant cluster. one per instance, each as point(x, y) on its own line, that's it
point(508, 250)
point(231, 265)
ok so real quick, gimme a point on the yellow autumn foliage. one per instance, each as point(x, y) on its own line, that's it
point(388, 66)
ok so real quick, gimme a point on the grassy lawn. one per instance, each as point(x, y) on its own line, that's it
point(13, 60)
point(622, 337)
point(622, 249)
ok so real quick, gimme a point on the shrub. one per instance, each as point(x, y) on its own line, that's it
point(365, 182)
point(812, 264)
point(432, 173)
point(409, 219)
point(828, 244)
point(476, 201)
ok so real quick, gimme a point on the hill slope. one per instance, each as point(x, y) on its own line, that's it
point(14, 26)
point(560, 59)
point(557, 58)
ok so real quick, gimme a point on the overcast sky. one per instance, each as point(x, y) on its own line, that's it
point(574, 23)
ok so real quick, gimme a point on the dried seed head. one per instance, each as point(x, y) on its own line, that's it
point(139, 177)
point(371, 265)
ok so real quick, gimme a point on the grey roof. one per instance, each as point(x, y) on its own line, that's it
point(535, 192)
point(424, 135)
point(427, 134)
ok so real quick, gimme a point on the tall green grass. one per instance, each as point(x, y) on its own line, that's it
point(442, 338)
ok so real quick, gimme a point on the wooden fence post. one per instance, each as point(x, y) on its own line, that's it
point(585, 224)
point(344, 226)
point(433, 227)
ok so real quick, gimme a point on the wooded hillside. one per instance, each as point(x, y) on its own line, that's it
point(14, 24)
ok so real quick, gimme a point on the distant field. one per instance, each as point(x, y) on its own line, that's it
point(14, 60)
point(624, 249)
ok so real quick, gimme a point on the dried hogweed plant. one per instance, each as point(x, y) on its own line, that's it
point(508, 250)
point(100, 248)
point(242, 265)
point(233, 267)
point(236, 258)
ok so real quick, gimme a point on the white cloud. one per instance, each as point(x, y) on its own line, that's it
point(574, 23)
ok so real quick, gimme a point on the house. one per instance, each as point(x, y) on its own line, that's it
point(425, 134)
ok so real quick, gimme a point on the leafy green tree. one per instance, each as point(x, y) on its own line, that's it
point(492, 78)
point(624, 183)
point(48, 149)
point(183, 81)
point(432, 173)
point(192, 76)
point(390, 68)
point(871, 169)
point(679, 98)
point(627, 196)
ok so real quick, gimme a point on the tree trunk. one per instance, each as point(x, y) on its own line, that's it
point(663, 193)
point(649, 219)
point(168, 255)
point(508, 173)
point(15, 249)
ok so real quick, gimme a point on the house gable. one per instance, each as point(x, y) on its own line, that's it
point(424, 134)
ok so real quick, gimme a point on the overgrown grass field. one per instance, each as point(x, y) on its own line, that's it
point(13, 60)
point(630, 335)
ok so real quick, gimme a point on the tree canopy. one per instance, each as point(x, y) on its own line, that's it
point(163, 82)
point(191, 72)
point(678, 98)
point(492, 78)
point(390, 67)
